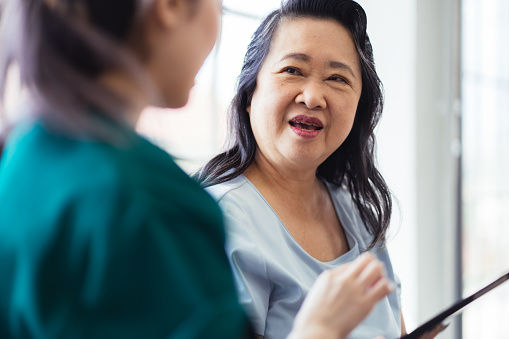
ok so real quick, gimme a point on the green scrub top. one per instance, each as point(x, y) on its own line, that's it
point(104, 241)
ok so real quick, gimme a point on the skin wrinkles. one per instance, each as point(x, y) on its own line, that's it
point(307, 59)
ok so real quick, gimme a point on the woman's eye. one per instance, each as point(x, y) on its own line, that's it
point(337, 78)
point(291, 70)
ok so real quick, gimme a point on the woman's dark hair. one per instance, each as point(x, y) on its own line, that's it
point(60, 48)
point(353, 163)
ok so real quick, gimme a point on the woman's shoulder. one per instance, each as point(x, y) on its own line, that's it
point(235, 186)
point(56, 168)
point(243, 207)
point(87, 182)
point(239, 199)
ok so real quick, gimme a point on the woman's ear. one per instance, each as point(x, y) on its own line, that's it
point(169, 13)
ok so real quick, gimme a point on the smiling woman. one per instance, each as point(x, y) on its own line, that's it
point(298, 185)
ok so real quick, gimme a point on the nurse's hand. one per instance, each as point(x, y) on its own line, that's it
point(341, 298)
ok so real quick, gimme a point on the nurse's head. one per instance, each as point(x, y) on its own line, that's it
point(83, 60)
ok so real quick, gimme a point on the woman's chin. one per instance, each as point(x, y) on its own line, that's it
point(177, 101)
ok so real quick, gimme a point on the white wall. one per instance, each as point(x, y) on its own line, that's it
point(414, 52)
point(394, 47)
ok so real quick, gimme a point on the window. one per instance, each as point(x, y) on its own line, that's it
point(485, 202)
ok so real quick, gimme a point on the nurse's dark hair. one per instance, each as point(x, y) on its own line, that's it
point(353, 163)
point(60, 47)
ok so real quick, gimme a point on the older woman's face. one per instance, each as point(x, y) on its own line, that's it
point(307, 92)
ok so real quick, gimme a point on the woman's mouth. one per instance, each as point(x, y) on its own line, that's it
point(306, 127)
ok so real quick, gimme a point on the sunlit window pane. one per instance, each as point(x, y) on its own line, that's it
point(486, 162)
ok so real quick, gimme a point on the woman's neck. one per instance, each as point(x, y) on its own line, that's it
point(123, 85)
point(297, 185)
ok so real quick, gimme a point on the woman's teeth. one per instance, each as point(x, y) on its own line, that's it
point(305, 126)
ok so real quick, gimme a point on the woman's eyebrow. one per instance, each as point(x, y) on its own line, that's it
point(307, 58)
point(296, 56)
point(341, 65)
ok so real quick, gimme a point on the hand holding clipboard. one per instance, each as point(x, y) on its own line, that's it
point(436, 324)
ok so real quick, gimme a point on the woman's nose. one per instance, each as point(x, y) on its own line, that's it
point(312, 96)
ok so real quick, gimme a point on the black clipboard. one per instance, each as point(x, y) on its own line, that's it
point(454, 310)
